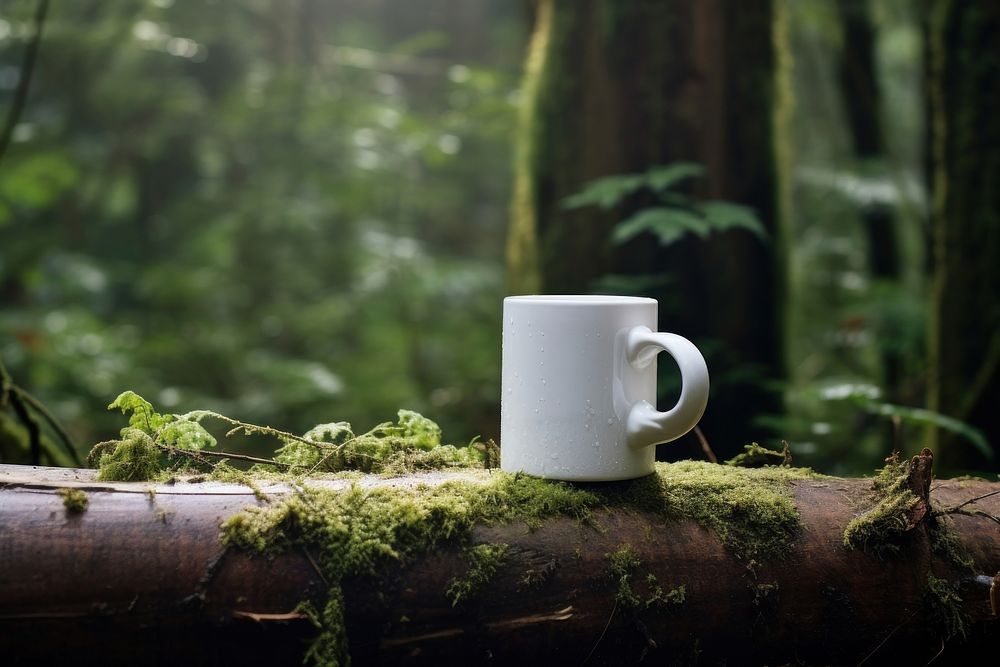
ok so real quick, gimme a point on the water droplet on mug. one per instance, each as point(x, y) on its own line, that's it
point(610, 421)
point(554, 457)
point(536, 411)
point(543, 381)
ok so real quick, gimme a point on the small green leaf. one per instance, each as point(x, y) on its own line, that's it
point(143, 416)
point(186, 435)
point(605, 192)
point(726, 215)
point(668, 224)
point(666, 176)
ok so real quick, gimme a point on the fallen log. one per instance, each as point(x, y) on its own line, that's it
point(139, 574)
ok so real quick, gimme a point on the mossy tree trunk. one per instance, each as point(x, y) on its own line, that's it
point(616, 87)
point(140, 577)
point(964, 335)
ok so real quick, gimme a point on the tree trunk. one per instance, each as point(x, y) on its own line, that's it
point(964, 336)
point(863, 109)
point(141, 578)
point(617, 87)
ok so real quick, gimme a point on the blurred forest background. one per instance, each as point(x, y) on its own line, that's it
point(303, 211)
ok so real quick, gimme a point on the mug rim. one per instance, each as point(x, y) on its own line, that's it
point(579, 299)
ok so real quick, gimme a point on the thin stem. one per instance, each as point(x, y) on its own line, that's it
point(705, 447)
point(197, 454)
point(952, 510)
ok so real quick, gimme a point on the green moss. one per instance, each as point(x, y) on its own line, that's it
point(74, 500)
point(622, 564)
point(945, 606)
point(362, 532)
point(945, 543)
point(484, 561)
point(535, 578)
point(756, 456)
point(751, 509)
point(879, 528)
point(329, 648)
point(134, 458)
point(660, 599)
point(358, 532)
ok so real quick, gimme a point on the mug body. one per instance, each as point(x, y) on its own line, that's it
point(566, 389)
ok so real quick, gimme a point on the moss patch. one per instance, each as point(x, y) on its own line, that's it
point(945, 543)
point(751, 509)
point(74, 500)
point(134, 458)
point(945, 605)
point(360, 532)
point(484, 561)
point(622, 564)
point(880, 527)
point(660, 599)
point(756, 456)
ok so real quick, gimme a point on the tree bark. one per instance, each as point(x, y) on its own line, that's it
point(964, 335)
point(616, 87)
point(142, 578)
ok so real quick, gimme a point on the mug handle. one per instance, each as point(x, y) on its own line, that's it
point(647, 426)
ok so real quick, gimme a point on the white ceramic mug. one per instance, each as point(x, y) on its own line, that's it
point(579, 387)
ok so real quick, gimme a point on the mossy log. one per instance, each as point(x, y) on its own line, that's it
point(138, 575)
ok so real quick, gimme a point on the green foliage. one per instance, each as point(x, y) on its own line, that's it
point(411, 444)
point(282, 239)
point(484, 561)
point(878, 529)
point(868, 398)
point(610, 191)
point(677, 214)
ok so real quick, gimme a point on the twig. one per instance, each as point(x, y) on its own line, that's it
point(603, 632)
point(315, 566)
point(936, 655)
point(952, 510)
point(251, 429)
point(977, 513)
point(705, 447)
point(196, 454)
point(24, 80)
point(887, 638)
